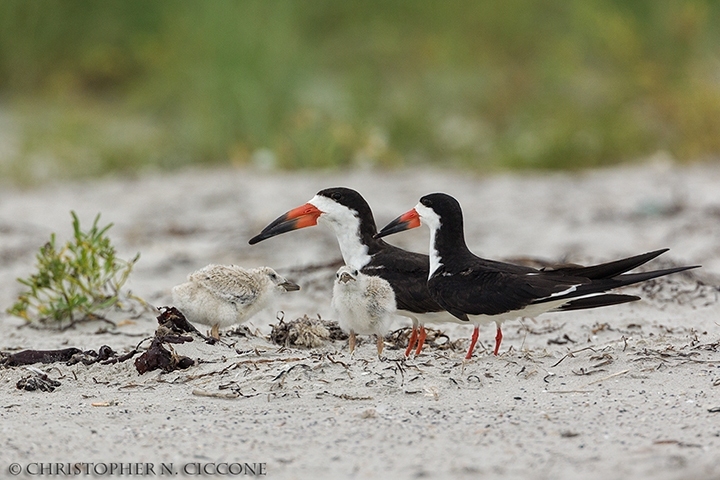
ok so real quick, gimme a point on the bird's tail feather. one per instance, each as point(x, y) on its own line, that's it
point(610, 269)
point(597, 287)
point(596, 301)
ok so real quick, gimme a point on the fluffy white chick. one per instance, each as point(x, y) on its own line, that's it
point(363, 304)
point(224, 295)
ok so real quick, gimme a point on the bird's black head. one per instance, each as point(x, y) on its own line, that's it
point(352, 200)
point(435, 210)
point(349, 198)
point(334, 203)
point(445, 207)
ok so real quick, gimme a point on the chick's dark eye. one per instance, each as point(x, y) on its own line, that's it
point(354, 272)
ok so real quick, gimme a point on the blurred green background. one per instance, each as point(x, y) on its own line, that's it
point(91, 87)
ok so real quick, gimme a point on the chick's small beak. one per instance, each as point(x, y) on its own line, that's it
point(406, 221)
point(346, 277)
point(290, 286)
point(300, 217)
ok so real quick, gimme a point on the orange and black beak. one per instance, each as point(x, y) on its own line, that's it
point(406, 221)
point(300, 217)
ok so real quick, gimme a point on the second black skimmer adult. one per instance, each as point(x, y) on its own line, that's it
point(483, 291)
point(347, 213)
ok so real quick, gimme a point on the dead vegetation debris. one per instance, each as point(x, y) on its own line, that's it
point(158, 357)
point(29, 357)
point(37, 380)
point(564, 340)
point(605, 360)
point(711, 347)
point(543, 330)
point(684, 288)
point(668, 354)
point(175, 322)
point(343, 396)
point(70, 356)
point(306, 332)
point(203, 393)
point(240, 331)
point(171, 325)
point(435, 339)
point(572, 355)
point(104, 354)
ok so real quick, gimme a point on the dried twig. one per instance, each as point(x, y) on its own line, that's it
point(616, 374)
point(203, 393)
point(572, 354)
point(344, 396)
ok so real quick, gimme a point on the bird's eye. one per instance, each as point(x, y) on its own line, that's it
point(335, 196)
point(354, 272)
point(426, 202)
point(273, 276)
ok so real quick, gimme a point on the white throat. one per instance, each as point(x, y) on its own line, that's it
point(432, 220)
point(346, 225)
point(435, 262)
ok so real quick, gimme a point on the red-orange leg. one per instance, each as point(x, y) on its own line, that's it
point(473, 341)
point(411, 342)
point(421, 340)
point(498, 340)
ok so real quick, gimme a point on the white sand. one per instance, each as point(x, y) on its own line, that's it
point(632, 402)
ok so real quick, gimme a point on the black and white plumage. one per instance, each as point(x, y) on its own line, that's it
point(363, 304)
point(483, 291)
point(349, 216)
point(225, 295)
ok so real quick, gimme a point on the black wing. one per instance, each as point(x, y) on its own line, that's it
point(484, 291)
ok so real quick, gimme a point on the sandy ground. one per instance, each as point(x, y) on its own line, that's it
point(621, 392)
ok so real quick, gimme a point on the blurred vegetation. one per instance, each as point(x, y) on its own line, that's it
point(88, 87)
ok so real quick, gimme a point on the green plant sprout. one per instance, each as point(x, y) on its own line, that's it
point(77, 282)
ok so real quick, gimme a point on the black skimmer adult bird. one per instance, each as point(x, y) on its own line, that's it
point(224, 295)
point(347, 213)
point(483, 291)
point(364, 304)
